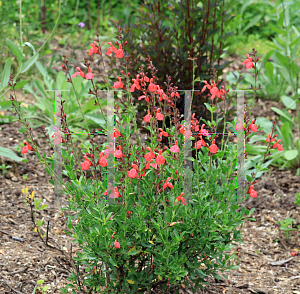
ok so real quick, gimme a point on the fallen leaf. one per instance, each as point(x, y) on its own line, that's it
point(2, 251)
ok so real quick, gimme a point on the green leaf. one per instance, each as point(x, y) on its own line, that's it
point(6, 73)
point(29, 63)
point(6, 152)
point(5, 105)
point(97, 118)
point(20, 84)
point(133, 252)
point(281, 113)
point(290, 154)
point(39, 282)
point(288, 102)
point(253, 21)
point(30, 46)
point(15, 50)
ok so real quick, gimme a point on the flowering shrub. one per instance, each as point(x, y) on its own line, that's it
point(159, 229)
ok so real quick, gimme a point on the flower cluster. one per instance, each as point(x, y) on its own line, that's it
point(27, 147)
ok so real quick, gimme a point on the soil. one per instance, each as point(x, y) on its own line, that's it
point(266, 264)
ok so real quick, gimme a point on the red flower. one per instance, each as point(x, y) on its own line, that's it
point(181, 198)
point(118, 152)
point(252, 126)
point(147, 118)
point(213, 148)
point(152, 87)
point(198, 144)
point(159, 116)
point(57, 136)
point(86, 164)
point(248, 62)
point(293, 253)
point(268, 140)
point(114, 194)
point(94, 49)
point(118, 84)
point(162, 133)
point(102, 160)
point(132, 173)
point(239, 126)
point(277, 145)
point(160, 159)
point(148, 157)
point(78, 72)
point(129, 213)
point(90, 75)
point(252, 192)
point(117, 245)
point(175, 147)
point(119, 53)
point(26, 148)
point(168, 184)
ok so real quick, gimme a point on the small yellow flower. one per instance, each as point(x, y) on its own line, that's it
point(130, 281)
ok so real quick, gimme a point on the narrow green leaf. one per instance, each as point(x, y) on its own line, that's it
point(6, 73)
point(15, 50)
point(30, 46)
point(29, 63)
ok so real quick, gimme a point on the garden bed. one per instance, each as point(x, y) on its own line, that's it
point(25, 261)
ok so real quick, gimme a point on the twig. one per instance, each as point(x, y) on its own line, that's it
point(18, 271)
point(47, 233)
point(61, 265)
point(11, 287)
point(3, 232)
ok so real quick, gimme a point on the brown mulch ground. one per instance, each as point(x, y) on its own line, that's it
point(25, 261)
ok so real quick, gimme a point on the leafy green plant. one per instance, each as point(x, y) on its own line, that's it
point(286, 226)
point(4, 168)
point(172, 33)
point(290, 157)
point(17, 51)
point(76, 101)
point(40, 289)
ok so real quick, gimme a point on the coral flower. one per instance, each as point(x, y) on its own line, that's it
point(160, 159)
point(117, 245)
point(118, 152)
point(132, 173)
point(168, 184)
point(152, 87)
point(159, 116)
point(85, 165)
point(90, 75)
point(198, 144)
point(102, 160)
point(147, 118)
point(175, 147)
point(119, 52)
point(26, 148)
point(213, 148)
point(118, 84)
point(79, 72)
point(181, 198)
point(248, 62)
point(239, 126)
point(94, 49)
